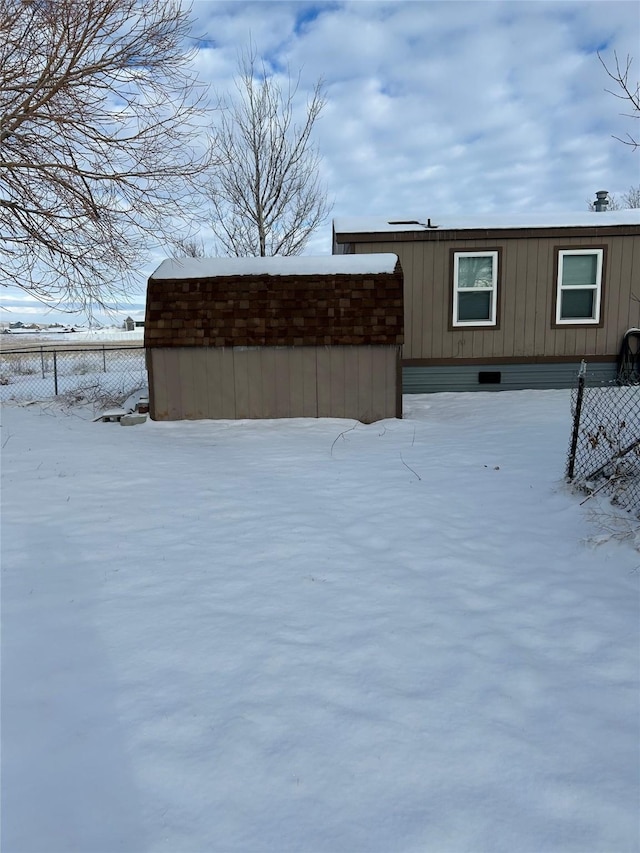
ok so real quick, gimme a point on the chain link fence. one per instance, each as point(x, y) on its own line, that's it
point(104, 376)
point(604, 452)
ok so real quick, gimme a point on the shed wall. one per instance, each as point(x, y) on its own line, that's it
point(526, 298)
point(359, 382)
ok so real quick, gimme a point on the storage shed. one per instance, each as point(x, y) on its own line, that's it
point(275, 337)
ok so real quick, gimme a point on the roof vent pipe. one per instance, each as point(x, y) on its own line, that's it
point(601, 202)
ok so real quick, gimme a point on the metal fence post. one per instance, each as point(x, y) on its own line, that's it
point(55, 373)
point(576, 421)
point(42, 361)
point(104, 359)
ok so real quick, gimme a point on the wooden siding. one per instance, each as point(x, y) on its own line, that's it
point(358, 382)
point(526, 286)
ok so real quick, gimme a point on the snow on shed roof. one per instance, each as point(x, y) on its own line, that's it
point(174, 268)
point(488, 221)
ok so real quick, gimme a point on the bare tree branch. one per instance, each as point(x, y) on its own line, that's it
point(101, 141)
point(266, 195)
point(631, 199)
point(188, 247)
point(627, 91)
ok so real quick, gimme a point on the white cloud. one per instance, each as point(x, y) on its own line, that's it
point(446, 107)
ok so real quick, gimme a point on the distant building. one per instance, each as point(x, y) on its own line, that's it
point(130, 324)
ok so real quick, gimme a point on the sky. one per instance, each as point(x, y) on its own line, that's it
point(435, 108)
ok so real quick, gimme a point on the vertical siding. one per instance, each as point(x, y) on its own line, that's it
point(201, 382)
point(365, 389)
point(381, 395)
point(452, 343)
point(239, 384)
point(537, 317)
point(625, 262)
point(526, 299)
point(521, 261)
point(418, 313)
point(352, 380)
point(157, 390)
point(224, 380)
point(337, 384)
point(189, 394)
point(543, 289)
point(255, 378)
point(323, 383)
point(283, 383)
point(614, 275)
point(172, 371)
point(306, 396)
point(269, 384)
point(358, 382)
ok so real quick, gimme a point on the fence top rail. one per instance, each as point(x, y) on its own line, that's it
point(37, 350)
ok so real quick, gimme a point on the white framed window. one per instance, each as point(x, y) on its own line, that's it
point(475, 288)
point(579, 287)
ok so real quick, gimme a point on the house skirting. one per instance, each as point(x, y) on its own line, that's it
point(502, 376)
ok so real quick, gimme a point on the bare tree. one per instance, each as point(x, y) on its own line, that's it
point(626, 90)
point(101, 141)
point(631, 199)
point(188, 247)
point(266, 194)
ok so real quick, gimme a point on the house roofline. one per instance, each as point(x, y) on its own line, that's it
point(515, 233)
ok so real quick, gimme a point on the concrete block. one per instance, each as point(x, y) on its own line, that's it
point(132, 419)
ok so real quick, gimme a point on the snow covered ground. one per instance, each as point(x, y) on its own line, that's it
point(80, 335)
point(314, 636)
